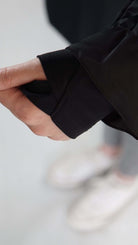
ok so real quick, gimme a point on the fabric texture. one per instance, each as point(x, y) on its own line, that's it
point(109, 61)
point(73, 101)
point(110, 58)
point(78, 19)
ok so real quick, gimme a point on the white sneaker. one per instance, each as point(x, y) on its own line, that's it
point(73, 171)
point(101, 203)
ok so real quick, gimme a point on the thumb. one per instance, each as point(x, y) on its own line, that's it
point(20, 74)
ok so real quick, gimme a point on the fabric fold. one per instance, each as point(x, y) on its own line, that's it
point(110, 58)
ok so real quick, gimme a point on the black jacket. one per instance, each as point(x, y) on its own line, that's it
point(108, 60)
point(78, 19)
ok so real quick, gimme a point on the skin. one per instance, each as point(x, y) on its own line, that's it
point(40, 123)
point(12, 98)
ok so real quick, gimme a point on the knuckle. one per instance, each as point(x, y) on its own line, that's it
point(38, 131)
point(31, 116)
point(61, 138)
point(23, 114)
point(35, 117)
point(25, 117)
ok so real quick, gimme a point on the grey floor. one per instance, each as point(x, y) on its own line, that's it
point(32, 212)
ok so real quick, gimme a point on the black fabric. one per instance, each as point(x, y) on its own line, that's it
point(111, 58)
point(72, 101)
point(77, 19)
point(59, 67)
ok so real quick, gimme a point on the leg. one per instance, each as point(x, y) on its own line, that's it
point(109, 194)
point(112, 141)
point(128, 166)
point(112, 136)
point(74, 170)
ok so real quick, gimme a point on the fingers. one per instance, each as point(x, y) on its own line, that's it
point(50, 130)
point(14, 100)
point(20, 74)
point(37, 121)
point(11, 78)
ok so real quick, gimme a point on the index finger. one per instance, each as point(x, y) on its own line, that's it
point(20, 74)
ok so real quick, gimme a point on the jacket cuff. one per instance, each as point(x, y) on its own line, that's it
point(59, 67)
point(79, 104)
point(74, 103)
point(110, 59)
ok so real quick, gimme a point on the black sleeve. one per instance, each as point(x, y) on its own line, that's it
point(110, 58)
point(105, 74)
point(73, 101)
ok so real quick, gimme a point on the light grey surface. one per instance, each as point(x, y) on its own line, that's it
point(31, 212)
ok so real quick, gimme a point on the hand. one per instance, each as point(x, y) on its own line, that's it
point(11, 78)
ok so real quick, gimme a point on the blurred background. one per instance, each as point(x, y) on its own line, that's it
point(31, 211)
